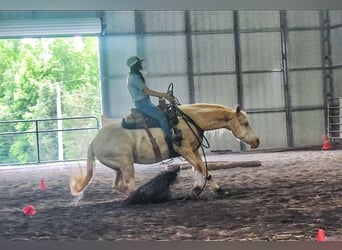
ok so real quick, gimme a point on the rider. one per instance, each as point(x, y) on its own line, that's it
point(140, 94)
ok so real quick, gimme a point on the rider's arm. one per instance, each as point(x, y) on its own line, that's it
point(151, 92)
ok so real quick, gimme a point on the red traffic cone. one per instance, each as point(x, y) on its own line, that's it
point(42, 185)
point(320, 235)
point(326, 143)
point(29, 210)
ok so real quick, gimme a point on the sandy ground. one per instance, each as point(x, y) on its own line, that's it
point(289, 197)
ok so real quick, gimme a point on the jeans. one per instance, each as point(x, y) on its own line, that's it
point(147, 107)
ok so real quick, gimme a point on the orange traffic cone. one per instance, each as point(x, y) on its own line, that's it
point(326, 143)
point(42, 185)
point(320, 235)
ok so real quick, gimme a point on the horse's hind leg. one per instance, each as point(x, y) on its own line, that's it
point(118, 179)
point(124, 180)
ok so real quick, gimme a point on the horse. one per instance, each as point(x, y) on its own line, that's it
point(119, 148)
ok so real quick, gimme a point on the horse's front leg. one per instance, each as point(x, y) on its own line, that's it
point(205, 175)
point(202, 174)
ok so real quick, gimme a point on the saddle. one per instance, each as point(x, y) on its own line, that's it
point(137, 119)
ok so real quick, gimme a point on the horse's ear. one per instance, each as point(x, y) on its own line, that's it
point(238, 109)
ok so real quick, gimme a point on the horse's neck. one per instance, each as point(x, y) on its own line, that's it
point(209, 116)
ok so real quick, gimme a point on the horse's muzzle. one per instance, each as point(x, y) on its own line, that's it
point(255, 144)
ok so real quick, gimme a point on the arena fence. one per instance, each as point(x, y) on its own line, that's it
point(46, 140)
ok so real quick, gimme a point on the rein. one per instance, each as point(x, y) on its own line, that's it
point(188, 119)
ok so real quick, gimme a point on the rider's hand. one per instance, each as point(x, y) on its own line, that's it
point(169, 98)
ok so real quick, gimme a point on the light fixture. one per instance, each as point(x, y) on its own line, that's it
point(21, 28)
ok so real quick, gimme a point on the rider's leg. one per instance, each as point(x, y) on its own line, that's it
point(150, 109)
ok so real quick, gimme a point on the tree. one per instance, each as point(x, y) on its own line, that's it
point(30, 70)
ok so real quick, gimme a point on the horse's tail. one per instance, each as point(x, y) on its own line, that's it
point(79, 183)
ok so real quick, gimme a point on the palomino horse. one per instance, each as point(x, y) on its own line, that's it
point(119, 148)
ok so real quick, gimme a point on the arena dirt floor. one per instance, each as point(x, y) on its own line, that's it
point(289, 197)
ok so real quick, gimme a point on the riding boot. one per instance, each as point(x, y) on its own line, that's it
point(172, 152)
point(177, 137)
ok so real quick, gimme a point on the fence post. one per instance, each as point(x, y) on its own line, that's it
point(37, 141)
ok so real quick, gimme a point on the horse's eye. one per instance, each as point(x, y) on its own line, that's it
point(246, 124)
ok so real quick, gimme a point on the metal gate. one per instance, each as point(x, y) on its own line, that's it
point(46, 140)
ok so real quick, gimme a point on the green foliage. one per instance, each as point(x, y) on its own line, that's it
point(30, 70)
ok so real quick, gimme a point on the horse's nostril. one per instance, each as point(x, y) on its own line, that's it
point(258, 141)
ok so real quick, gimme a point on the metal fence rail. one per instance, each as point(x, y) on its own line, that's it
point(46, 140)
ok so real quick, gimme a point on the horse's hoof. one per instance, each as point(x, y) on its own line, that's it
point(195, 192)
point(221, 192)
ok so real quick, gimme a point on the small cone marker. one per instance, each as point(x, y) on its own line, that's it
point(326, 143)
point(29, 210)
point(42, 185)
point(320, 235)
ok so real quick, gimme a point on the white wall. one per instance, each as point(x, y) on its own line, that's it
point(161, 38)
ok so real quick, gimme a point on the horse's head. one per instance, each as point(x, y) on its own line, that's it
point(242, 130)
